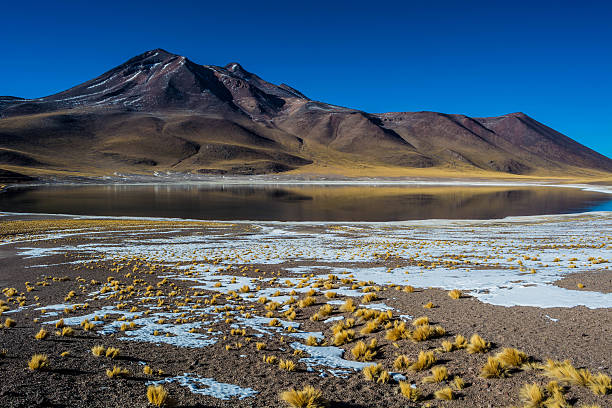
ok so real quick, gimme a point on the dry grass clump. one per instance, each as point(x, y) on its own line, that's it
point(600, 384)
point(446, 394)
point(312, 341)
point(494, 368)
point(157, 395)
point(308, 397)
point(512, 357)
point(112, 352)
point(438, 374)
point(460, 342)
point(455, 294)
point(376, 373)
point(98, 350)
point(398, 331)
point(41, 335)
point(458, 383)
point(59, 324)
point(426, 332)
point(402, 363)
point(38, 362)
point(420, 321)
point(8, 323)
point(147, 370)
point(307, 301)
point(425, 360)
point(117, 372)
point(67, 331)
point(477, 345)
point(369, 297)
point(429, 305)
point(348, 306)
point(413, 394)
point(565, 371)
point(364, 352)
point(532, 396)
point(260, 346)
point(447, 346)
point(286, 365)
point(343, 337)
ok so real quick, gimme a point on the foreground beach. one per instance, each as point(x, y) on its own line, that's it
point(214, 310)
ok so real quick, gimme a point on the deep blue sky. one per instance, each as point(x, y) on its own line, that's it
point(551, 60)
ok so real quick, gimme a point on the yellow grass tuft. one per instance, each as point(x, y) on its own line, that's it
point(460, 342)
point(425, 360)
point(455, 294)
point(494, 368)
point(370, 327)
point(41, 335)
point(67, 331)
point(532, 396)
point(117, 372)
point(308, 397)
point(512, 357)
point(312, 341)
point(364, 352)
point(286, 365)
point(307, 301)
point(98, 350)
point(600, 384)
point(438, 374)
point(458, 383)
point(343, 337)
point(565, 371)
point(260, 346)
point(413, 394)
point(147, 370)
point(421, 321)
point(112, 352)
point(429, 305)
point(348, 306)
point(38, 362)
point(447, 346)
point(446, 394)
point(478, 345)
point(408, 289)
point(425, 332)
point(398, 331)
point(402, 363)
point(372, 372)
point(8, 323)
point(59, 324)
point(157, 395)
point(369, 297)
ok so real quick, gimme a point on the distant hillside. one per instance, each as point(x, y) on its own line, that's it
point(161, 112)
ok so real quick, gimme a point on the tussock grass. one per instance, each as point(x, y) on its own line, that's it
point(512, 357)
point(41, 335)
point(532, 396)
point(429, 305)
point(447, 346)
point(348, 306)
point(446, 394)
point(343, 337)
point(117, 372)
point(600, 384)
point(364, 352)
point(402, 363)
point(157, 395)
point(147, 370)
point(59, 324)
point(478, 345)
point(308, 397)
point(8, 323)
point(460, 342)
point(112, 352)
point(455, 294)
point(286, 365)
point(398, 331)
point(494, 368)
point(406, 389)
point(98, 350)
point(425, 360)
point(421, 321)
point(369, 297)
point(438, 375)
point(67, 331)
point(307, 301)
point(260, 346)
point(370, 327)
point(426, 332)
point(312, 341)
point(38, 362)
point(458, 383)
point(565, 371)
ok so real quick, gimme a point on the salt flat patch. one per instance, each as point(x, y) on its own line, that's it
point(208, 386)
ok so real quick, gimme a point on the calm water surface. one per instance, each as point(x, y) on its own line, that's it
point(302, 203)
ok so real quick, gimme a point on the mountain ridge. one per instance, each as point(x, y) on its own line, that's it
point(160, 111)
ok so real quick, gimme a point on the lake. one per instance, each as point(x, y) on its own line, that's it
point(301, 202)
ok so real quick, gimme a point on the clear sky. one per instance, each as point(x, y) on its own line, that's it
point(551, 60)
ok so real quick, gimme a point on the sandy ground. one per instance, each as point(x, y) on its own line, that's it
point(186, 285)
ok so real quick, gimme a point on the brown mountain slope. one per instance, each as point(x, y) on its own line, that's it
point(161, 112)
